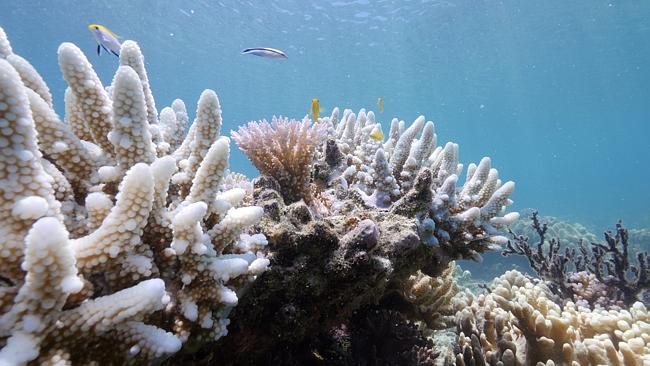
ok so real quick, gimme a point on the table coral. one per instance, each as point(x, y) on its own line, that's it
point(105, 257)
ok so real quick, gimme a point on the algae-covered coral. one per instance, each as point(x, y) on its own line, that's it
point(111, 251)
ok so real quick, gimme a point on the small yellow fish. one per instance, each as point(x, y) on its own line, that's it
point(315, 109)
point(380, 105)
point(105, 39)
point(376, 134)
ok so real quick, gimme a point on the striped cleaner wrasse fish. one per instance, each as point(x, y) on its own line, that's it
point(266, 52)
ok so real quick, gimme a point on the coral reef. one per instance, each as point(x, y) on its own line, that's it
point(516, 322)
point(604, 273)
point(379, 212)
point(113, 252)
point(569, 233)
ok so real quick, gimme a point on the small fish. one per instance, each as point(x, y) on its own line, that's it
point(317, 355)
point(266, 52)
point(105, 39)
point(315, 109)
point(376, 134)
point(380, 105)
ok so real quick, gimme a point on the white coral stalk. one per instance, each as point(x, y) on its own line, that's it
point(386, 187)
point(51, 277)
point(31, 78)
point(445, 162)
point(148, 342)
point(130, 134)
point(94, 101)
point(181, 114)
point(130, 55)
point(5, 46)
point(236, 221)
point(210, 173)
point(403, 146)
point(474, 184)
point(420, 151)
point(207, 126)
point(498, 200)
point(120, 232)
point(59, 143)
point(21, 174)
point(100, 315)
point(98, 206)
point(171, 129)
point(74, 116)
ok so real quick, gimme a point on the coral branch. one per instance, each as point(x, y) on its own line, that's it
point(284, 149)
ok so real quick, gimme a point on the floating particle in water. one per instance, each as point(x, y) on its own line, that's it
point(171, 34)
point(482, 106)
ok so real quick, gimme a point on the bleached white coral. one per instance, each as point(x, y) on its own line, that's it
point(30, 77)
point(411, 176)
point(5, 47)
point(130, 135)
point(21, 174)
point(93, 101)
point(111, 293)
point(518, 324)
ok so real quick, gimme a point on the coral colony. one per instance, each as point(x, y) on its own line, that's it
point(127, 240)
point(120, 242)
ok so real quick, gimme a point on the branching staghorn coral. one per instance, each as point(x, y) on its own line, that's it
point(99, 263)
point(285, 150)
point(517, 323)
point(607, 268)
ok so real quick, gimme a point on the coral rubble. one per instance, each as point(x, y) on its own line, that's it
point(112, 251)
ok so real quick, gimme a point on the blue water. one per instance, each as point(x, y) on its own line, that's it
point(556, 92)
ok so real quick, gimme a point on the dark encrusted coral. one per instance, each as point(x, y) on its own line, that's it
point(385, 337)
point(322, 272)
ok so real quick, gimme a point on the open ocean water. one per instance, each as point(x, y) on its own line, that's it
point(556, 92)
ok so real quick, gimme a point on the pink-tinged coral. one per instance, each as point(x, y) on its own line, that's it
point(285, 150)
